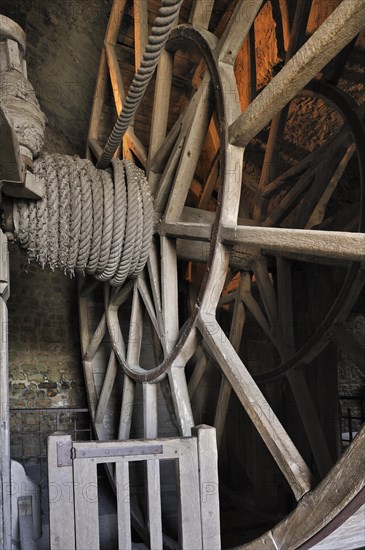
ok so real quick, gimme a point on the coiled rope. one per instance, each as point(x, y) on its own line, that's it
point(93, 221)
point(165, 19)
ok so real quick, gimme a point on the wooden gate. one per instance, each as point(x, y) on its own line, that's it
point(73, 503)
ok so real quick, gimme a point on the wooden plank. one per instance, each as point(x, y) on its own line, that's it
point(140, 30)
point(190, 536)
point(154, 504)
point(86, 504)
point(96, 340)
point(270, 429)
point(209, 486)
point(123, 509)
point(61, 497)
point(5, 468)
point(318, 244)
point(345, 22)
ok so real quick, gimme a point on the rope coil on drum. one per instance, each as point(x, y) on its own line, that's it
point(94, 221)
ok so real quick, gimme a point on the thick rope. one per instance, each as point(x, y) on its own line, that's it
point(164, 22)
point(89, 220)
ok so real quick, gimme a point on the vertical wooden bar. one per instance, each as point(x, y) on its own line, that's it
point(123, 511)
point(86, 505)
point(5, 479)
point(208, 484)
point(154, 504)
point(61, 501)
point(190, 537)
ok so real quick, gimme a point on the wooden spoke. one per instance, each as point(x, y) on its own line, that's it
point(318, 213)
point(236, 30)
point(200, 13)
point(140, 30)
point(339, 29)
point(160, 113)
point(169, 293)
point(235, 335)
point(277, 126)
point(318, 244)
point(190, 152)
point(147, 300)
point(256, 406)
point(296, 377)
point(106, 389)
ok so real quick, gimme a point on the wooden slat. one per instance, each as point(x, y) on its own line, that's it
point(154, 504)
point(190, 536)
point(123, 509)
point(61, 504)
point(150, 420)
point(338, 29)
point(209, 487)
point(319, 244)
point(181, 400)
point(86, 504)
point(272, 432)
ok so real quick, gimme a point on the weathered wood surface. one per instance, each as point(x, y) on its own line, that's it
point(318, 244)
point(345, 22)
point(197, 480)
point(323, 506)
point(61, 498)
point(5, 478)
point(270, 429)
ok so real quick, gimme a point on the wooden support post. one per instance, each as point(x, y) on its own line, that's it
point(5, 479)
point(61, 496)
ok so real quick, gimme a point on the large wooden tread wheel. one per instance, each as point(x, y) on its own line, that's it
point(219, 261)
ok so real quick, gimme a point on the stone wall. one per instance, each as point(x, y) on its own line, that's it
point(44, 350)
